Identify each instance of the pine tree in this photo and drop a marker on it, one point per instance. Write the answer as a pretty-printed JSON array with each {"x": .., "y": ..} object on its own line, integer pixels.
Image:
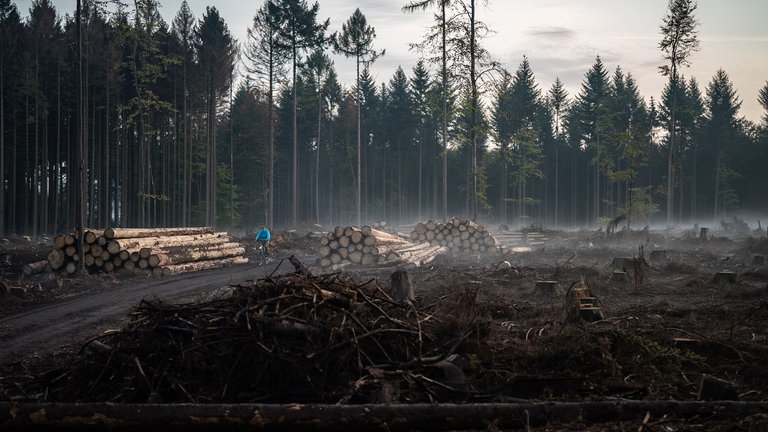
[
  {"x": 183, "y": 33},
  {"x": 356, "y": 40},
  {"x": 557, "y": 101},
  {"x": 722, "y": 129},
  {"x": 217, "y": 53},
  {"x": 420, "y": 89},
  {"x": 679, "y": 41},
  {"x": 267, "y": 55},
  {"x": 400, "y": 133},
  {"x": 589, "y": 127},
  {"x": 444, "y": 87}
]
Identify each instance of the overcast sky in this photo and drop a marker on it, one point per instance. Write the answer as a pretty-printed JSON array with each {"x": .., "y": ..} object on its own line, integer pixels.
[{"x": 561, "y": 38}]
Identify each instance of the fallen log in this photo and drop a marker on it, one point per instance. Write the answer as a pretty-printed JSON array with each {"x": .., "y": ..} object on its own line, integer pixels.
[
  {"x": 181, "y": 256},
  {"x": 56, "y": 258},
  {"x": 203, "y": 265},
  {"x": 36, "y": 267},
  {"x": 123, "y": 233},
  {"x": 369, "y": 417},
  {"x": 116, "y": 245}
]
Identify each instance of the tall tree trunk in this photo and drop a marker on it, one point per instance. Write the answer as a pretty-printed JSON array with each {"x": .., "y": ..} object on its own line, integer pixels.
[
  {"x": 2, "y": 133},
  {"x": 271, "y": 168},
  {"x": 358, "y": 183},
  {"x": 474, "y": 107},
  {"x": 83, "y": 143},
  {"x": 420, "y": 179},
  {"x": 445, "y": 115},
  {"x": 107, "y": 197},
  {"x": 718, "y": 191},
  {"x": 671, "y": 156},
  {"x": 317, "y": 158},
  {"x": 36, "y": 164},
  {"x": 503, "y": 187},
  {"x": 211, "y": 159}
]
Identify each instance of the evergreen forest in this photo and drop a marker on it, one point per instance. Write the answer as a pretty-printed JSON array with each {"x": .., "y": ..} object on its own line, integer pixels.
[{"x": 115, "y": 117}]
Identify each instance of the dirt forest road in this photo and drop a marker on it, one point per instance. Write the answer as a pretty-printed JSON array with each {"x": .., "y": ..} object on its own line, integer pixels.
[{"x": 99, "y": 306}]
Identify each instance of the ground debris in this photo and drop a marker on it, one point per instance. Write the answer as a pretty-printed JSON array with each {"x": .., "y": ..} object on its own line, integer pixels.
[
  {"x": 291, "y": 338},
  {"x": 477, "y": 333}
]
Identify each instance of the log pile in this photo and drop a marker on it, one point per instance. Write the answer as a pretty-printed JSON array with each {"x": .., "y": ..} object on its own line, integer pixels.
[
  {"x": 382, "y": 225},
  {"x": 369, "y": 246},
  {"x": 459, "y": 236},
  {"x": 157, "y": 251}
]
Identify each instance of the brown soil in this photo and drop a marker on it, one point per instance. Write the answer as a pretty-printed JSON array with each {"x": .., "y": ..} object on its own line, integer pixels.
[{"x": 690, "y": 326}]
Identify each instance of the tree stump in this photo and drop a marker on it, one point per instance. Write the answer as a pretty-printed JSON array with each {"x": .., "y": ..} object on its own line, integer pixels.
[
  {"x": 299, "y": 267},
  {"x": 548, "y": 288},
  {"x": 589, "y": 310},
  {"x": 713, "y": 388},
  {"x": 618, "y": 276},
  {"x": 623, "y": 263},
  {"x": 724, "y": 277},
  {"x": 401, "y": 286},
  {"x": 704, "y": 234}
]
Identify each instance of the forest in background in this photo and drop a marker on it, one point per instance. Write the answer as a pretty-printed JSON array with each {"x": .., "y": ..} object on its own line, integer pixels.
[{"x": 182, "y": 125}]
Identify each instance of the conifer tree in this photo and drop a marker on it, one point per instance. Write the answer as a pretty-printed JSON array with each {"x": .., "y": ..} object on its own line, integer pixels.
[
  {"x": 356, "y": 40},
  {"x": 298, "y": 30},
  {"x": 679, "y": 41}
]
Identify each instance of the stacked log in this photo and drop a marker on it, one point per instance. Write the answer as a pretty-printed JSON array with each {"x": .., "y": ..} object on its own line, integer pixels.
[
  {"x": 370, "y": 246},
  {"x": 459, "y": 236},
  {"x": 382, "y": 225},
  {"x": 158, "y": 251}
]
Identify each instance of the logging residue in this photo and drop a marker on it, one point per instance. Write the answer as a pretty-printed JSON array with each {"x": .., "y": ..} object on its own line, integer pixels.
[
  {"x": 286, "y": 339},
  {"x": 331, "y": 339}
]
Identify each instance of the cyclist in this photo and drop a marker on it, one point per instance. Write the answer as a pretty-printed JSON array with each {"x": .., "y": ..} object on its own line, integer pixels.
[{"x": 263, "y": 237}]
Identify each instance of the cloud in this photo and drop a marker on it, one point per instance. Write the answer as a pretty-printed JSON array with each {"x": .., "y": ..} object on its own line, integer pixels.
[{"x": 558, "y": 33}]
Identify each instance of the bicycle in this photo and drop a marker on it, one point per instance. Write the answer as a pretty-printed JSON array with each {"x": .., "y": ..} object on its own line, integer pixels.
[{"x": 261, "y": 257}]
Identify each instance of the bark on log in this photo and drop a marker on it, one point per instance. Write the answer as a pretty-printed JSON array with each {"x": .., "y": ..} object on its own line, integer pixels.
[
  {"x": 70, "y": 268},
  {"x": 130, "y": 244},
  {"x": 123, "y": 233},
  {"x": 90, "y": 237},
  {"x": 203, "y": 265},
  {"x": 35, "y": 267},
  {"x": 180, "y": 257},
  {"x": 56, "y": 258},
  {"x": 58, "y": 242}
]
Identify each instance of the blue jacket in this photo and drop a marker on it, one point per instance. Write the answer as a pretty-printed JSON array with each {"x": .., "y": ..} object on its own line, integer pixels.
[{"x": 263, "y": 235}]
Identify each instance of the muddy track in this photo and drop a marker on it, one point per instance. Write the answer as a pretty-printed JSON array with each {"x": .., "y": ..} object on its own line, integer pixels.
[{"x": 104, "y": 305}]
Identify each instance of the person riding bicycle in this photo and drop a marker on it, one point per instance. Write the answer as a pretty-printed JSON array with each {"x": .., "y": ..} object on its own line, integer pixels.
[{"x": 263, "y": 237}]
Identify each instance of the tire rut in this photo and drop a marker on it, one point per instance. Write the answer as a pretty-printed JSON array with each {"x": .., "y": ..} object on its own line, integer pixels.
[{"x": 70, "y": 320}]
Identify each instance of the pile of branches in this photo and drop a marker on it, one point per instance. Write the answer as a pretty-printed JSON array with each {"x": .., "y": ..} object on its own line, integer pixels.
[{"x": 293, "y": 338}]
